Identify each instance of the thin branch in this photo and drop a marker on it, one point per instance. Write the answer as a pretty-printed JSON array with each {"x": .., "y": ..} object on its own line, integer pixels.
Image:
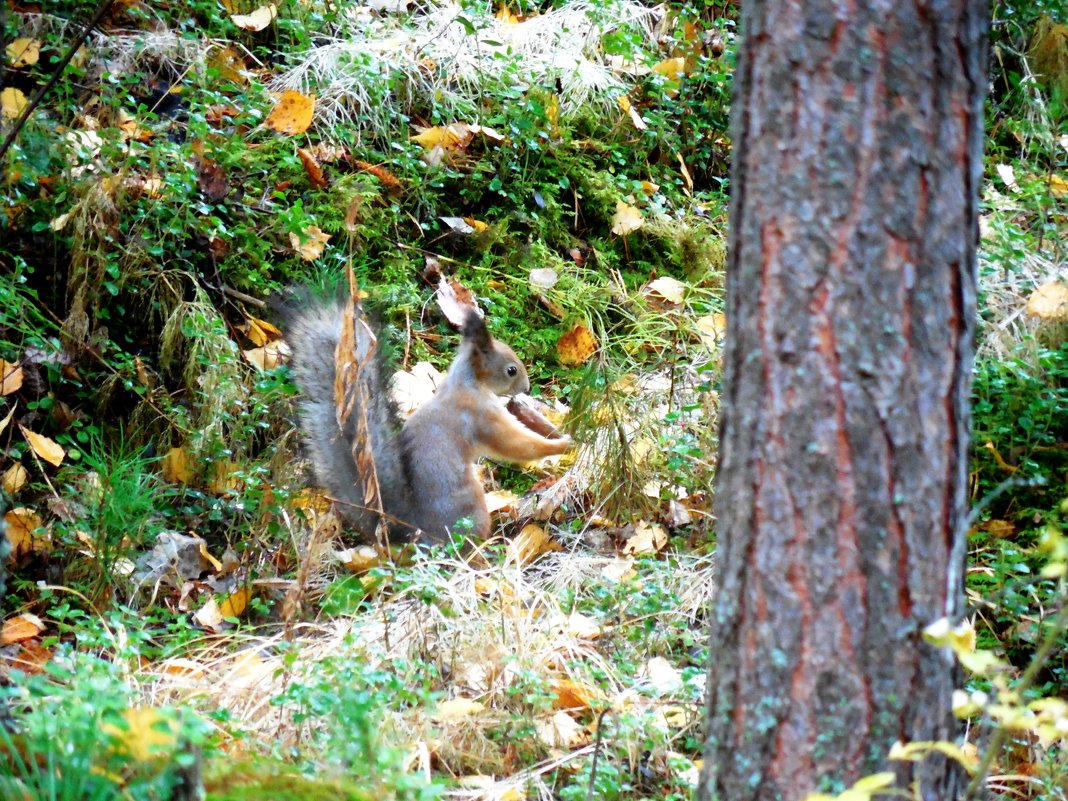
[{"x": 38, "y": 96}]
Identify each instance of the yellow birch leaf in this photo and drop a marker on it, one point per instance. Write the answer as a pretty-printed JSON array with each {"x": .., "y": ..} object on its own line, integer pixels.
[
  {"x": 260, "y": 332},
  {"x": 209, "y": 616},
  {"x": 359, "y": 559},
  {"x": 478, "y": 225},
  {"x": 265, "y": 358},
  {"x": 635, "y": 118},
  {"x": 447, "y": 137},
  {"x": 12, "y": 102},
  {"x": 576, "y": 346},
  {"x": 256, "y": 20},
  {"x": 671, "y": 68},
  {"x": 22, "y": 524},
  {"x": 1058, "y": 185},
  {"x": 177, "y": 467},
  {"x": 532, "y": 542},
  {"x": 626, "y": 219},
  {"x": 311, "y": 245},
  {"x": 573, "y": 695},
  {"x": 235, "y": 603},
  {"x": 21, "y": 627},
  {"x": 647, "y": 538},
  {"x": 145, "y": 733},
  {"x": 456, "y": 709},
  {"x": 1049, "y": 301},
  {"x": 583, "y": 626},
  {"x": 225, "y": 477},
  {"x": 293, "y": 113},
  {"x": 23, "y": 52},
  {"x": 499, "y": 500},
  {"x": 7, "y": 419},
  {"x": 505, "y": 16},
  {"x": 711, "y": 328},
  {"x": 13, "y": 479},
  {"x": 48, "y": 449},
  {"x": 668, "y": 288},
  {"x": 10, "y": 377}
]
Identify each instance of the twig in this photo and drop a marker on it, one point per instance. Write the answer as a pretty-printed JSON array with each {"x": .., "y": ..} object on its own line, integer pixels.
[{"x": 38, "y": 96}]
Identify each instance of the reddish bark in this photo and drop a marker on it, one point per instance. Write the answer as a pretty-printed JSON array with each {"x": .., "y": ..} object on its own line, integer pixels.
[{"x": 841, "y": 490}]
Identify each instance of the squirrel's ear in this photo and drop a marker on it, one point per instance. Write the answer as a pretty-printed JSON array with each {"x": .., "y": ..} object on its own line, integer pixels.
[{"x": 475, "y": 331}]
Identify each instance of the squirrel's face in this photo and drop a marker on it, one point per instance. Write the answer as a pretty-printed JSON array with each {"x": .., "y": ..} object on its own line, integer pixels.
[
  {"x": 504, "y": 373},
  {"x": 495, "y": 365}
]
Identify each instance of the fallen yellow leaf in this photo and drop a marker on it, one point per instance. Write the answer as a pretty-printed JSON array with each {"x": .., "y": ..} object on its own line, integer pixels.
[
  {"x": 48, "y": 449},
  {"x": 456, "y": 709},
  {"x": 260, "y": 332},
  {"x": 671, "y": 68},
  {"x": 23, "y": 52},
  {"x": 311, "y": 245},
  {"x": 10, "y": 377},
  {"x": 359, "y": 559},
  {"x": 12, "y": 103},
  {"x": 447, "y": 137},
  {"x": 176, "y": 466},
  {"x": 145, "y": 733},
  {"x": 668, "y": 288},
  {"x": 1058, "y": 185},
  {"x": 22, "y": 525},
  {"x": 235, "y": 604},
  {"x": 576, "y": 346},
  {"x": 265, "y": 358},
  {"x": 530, "y": 543},
  {"x": 258, "y": 19},
  {"x": 647, "y": 538},
  {"x": 13, "y": 479},
  {"x": 1049, "y": 301},
  {"x": 293, "y": 113},
  {"x": 626, "y": 219},
  {"x": 573, "y": 695},
  {"x": 21, "y": 627},
  {"x": 7, "y": 418}
]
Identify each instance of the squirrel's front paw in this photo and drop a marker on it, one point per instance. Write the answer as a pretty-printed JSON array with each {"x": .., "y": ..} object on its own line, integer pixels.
[{"x": 563, "y": 443}]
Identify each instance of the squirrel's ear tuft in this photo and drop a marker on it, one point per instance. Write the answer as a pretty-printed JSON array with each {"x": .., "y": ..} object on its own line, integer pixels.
[{"x": 475, "y": 330}]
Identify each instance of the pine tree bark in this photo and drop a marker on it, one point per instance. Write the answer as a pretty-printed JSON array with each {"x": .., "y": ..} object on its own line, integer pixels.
[{"x": 841, "y": 488}]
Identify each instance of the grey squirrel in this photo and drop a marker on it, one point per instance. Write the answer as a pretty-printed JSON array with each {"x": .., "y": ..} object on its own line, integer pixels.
[{"x": 425, "y": 467}]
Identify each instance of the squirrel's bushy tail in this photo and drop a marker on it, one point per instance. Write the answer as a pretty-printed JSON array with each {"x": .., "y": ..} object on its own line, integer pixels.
[{"x": 313, "y": 327}]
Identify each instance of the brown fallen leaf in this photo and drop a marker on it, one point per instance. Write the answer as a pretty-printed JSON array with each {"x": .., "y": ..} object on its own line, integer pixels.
[
  {"x": 576, "y": 346},
  {"x": 21, "y": 627},
  {"x": 455, "y": 300},
  {"x": 313, "y": 169},
  {"x": 212, "y": 180},
  {"x": 22, "y": 525}
]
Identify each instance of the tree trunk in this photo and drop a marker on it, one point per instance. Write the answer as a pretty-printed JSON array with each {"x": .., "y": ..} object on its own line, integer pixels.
[{"x": 841, "y": 488}]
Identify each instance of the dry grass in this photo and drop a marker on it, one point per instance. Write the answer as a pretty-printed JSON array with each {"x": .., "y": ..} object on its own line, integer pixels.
[
  {"x": 378, "y": 69},
  {"x": 498, "y": 635}
]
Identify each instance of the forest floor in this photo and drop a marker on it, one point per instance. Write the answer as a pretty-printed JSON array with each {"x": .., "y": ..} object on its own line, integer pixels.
[{"x": 181, "y": 608}]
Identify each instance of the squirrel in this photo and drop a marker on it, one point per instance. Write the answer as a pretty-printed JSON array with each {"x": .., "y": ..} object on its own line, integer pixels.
[{"x": 425, "y": 467}]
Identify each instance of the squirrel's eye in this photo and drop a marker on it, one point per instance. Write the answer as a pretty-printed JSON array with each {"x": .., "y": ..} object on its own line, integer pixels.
[{"x": 512, "y": 370}]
